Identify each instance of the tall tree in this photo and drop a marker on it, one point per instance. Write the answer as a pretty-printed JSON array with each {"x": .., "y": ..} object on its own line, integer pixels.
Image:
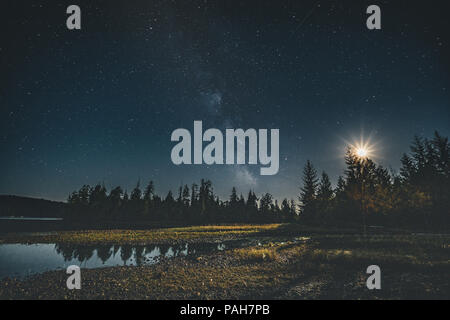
[
  {"x": 325, "y": 191},
  {"x": 136, "y": 193},
  {"x": 285, "y": 210},
  {"x": 233, "y": 198},
  {"x": 185, "y": 196},
  {"x": 148, "y": 199},
  {"x": 324, "y": 197},
  {"x": 265, "y": 205},
  {"x": 149, "y": 191},
  {"x": 308, "y": 191}
]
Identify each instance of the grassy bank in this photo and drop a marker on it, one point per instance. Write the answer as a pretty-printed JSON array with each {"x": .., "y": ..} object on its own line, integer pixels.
[
  {"x": 167, "y": 235},
  {"x": 318, "y": 266}
]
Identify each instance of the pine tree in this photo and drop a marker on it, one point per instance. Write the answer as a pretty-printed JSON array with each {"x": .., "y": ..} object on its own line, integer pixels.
[
  {"x": 293, "y": 213},
  {"x": 83, "y": 195},
  {"x": 325, "y": 191},
  {"x": 285, "y": 210},
  {"x": 185, "y": 196},
  {"x": 265, "y": 204},
  {"x": 194, "y": 194},
  {"x": 308, "y": 191},
  {"x": 233, "y": 198},
  {"x": 149, "y": 191},
  {"x": 136, "y": 194},
  {"x": 169, "y": 198},
  {"x": 340, "y": 186},
  {"x": 251, "y": 206},
  {"x": 136, "y": 206},
  {"x": 148, "y": 205},
  {"x": 115, "y": 201},
  {"x": 324, "y": 197}
]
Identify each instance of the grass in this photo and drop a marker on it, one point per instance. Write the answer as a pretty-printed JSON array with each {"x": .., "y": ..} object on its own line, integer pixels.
[
  {"x": 255, "y": 254},
  {"x": 141, "y": 236},
  {"x": 321, "y": 266}
]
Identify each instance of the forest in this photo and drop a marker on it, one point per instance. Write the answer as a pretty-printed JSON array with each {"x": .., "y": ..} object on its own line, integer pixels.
[{"x": 365, "y": 195}]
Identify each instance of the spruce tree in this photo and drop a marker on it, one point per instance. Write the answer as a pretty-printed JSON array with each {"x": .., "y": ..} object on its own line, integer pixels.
[{"x": 308, "y": 191}]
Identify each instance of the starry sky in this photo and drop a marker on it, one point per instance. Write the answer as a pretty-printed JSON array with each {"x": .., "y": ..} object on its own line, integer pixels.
[{"x": 99, "y": 104}]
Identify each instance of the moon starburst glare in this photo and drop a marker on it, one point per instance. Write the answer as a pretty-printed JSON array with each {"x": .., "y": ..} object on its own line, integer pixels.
[{"x": 364, "y": 147}]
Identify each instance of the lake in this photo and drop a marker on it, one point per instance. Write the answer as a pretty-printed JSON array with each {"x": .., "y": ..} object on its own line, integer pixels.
[{"x": 21, "y": 260}]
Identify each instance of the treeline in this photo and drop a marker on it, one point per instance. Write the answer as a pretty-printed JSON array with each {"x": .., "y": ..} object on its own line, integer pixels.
[
  {"x": 191, "y": 205},
  {"x": 367, "y": 194}
]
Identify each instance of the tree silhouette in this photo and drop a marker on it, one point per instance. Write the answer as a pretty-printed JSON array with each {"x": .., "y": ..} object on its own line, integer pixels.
[
  {"x": 324, "y": 199},
  {"x": 308, "y": 192}
]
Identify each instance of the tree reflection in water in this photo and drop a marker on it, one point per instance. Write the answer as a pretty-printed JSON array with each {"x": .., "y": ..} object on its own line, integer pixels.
[{"x": 132, "y": 254}]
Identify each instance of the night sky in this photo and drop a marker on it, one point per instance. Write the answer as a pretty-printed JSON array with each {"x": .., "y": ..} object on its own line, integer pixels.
[{"x": 99, "y": 104}]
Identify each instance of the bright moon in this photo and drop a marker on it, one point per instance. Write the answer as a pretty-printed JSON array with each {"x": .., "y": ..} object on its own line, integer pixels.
[
  {"x": 362, "y": 149},
  {"x": 361, "y": 152}
]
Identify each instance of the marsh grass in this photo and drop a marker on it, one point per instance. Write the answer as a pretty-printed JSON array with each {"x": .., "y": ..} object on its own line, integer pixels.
[
  {"x": 194, "y": 233},
  {"x": 255, "y": 254}
]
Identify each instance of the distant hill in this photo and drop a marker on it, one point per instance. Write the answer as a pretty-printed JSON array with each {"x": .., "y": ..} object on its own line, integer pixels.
[{"x": 30, "y": 207}]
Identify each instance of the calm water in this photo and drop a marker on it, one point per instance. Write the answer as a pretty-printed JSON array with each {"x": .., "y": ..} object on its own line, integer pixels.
[{"x": 19, "y": 260}]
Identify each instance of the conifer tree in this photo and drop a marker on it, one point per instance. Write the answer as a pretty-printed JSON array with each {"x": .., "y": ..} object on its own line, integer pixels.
[{"x": 308, "y": 191}]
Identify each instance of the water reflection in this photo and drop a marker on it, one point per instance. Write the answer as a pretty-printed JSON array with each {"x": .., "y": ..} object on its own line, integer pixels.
[
  {"x": 132, "y": 254},
  {"x": 21, "y": 259}
]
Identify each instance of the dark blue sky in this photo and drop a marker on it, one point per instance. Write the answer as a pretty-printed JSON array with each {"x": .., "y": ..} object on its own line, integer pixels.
[{"x": 99, "y": 104}]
